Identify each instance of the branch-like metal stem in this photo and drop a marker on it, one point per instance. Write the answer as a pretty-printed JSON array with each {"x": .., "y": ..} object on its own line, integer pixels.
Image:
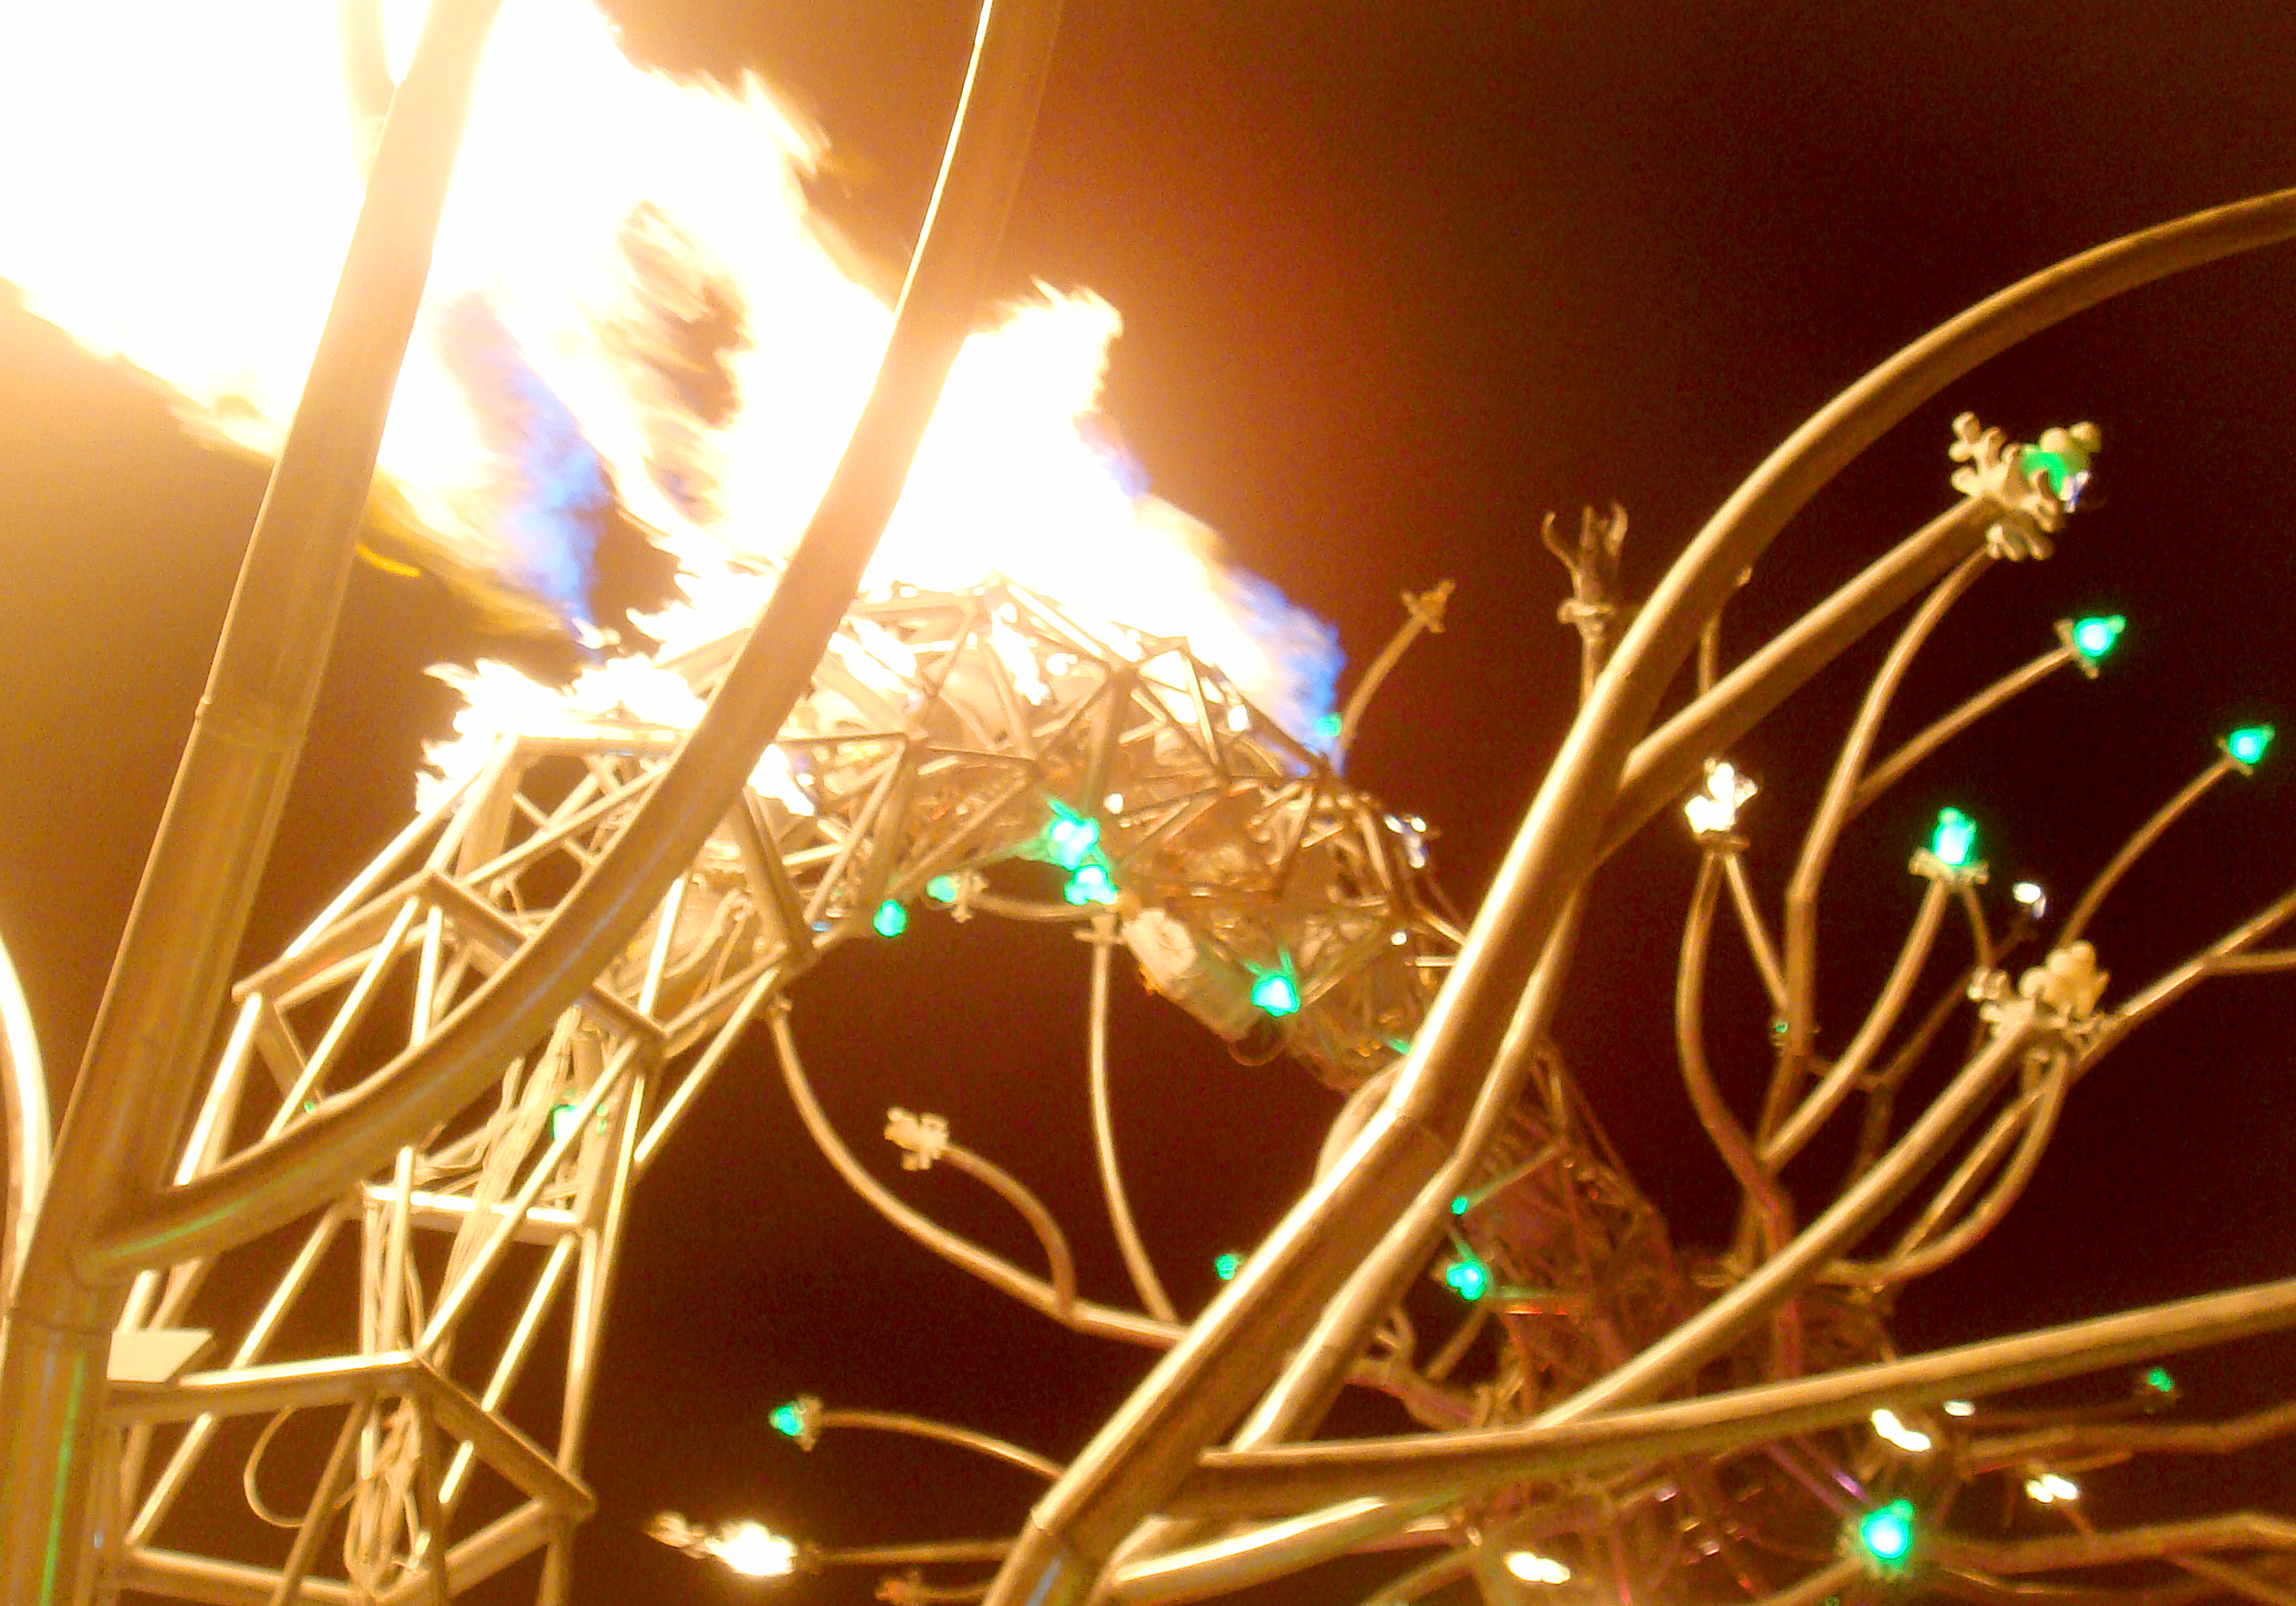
[
  {"x": 1424, "y": 611},
  {"x": 1887, "y": 773},
  {"x": 1826, "y": 828},
  {"x": 1836, "y": 1084},
  {"x": 1757, "y": 932},
  {"x": 2234, "y": 1530},
  {"x": 940, "y": 1432},
  {"x": 1235, "y": 1483},
  {"x": 1103, "y": 1138},
  {"x": 1729, "y": 1137},
  {"x": 2134, "y": 849},
  {"x": 1059, "y": 1261},
  {"x": 2081, "y": 1439},
  {"x": 1082, "y": 1315}
]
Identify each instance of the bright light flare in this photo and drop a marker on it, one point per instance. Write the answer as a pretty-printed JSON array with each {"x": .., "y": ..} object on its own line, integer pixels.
[
  {"x": 1714, "y": 812},
  {"x": 754, "y": 1550},
  {"x": 1532, "y": 1568},
  {"x": 2050, "y": 1489},
  {"x": 1891, "y": 1429}
]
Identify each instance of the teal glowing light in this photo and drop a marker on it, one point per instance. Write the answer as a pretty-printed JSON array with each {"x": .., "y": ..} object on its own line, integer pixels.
[
  {"x": 1954, "y": 842},
  {"x": 2248, "y": 744},
  {"x": 1328, "y": 729},
  {"x": 2159, "y": 1380},
  {"x": 561, "y": 1121},
  {"x": 891, "y": 918},
  {"x": 1461, "y": 1205},
  {"x": 788, "y": 1420},
  {"x": 1070, "y": 839},
  {"x": 1468, "y": 1278},
  {"x": 1277, "y": 993},
  {"x": 1886, "y": 1533},
  {"x": 1226, "y": 1266},
  {"x": 941, "y": 889},
  {"x": 2092, "y": 637},
  {"x": 1091, "y": 884}
]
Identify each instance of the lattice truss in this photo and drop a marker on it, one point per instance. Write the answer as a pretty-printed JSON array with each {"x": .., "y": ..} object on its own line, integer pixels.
[
  {"x": 945, "y": 734},
  {"x": 426, "y": 1345}
]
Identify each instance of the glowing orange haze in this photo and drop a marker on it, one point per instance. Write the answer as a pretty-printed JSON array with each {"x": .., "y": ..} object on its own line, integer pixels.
[{"x": 181, "y": 180}]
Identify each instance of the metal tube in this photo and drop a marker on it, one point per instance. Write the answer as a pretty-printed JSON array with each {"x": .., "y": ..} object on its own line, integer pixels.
[
  {"x": 1729, "y": 1137},
  {"x": 1103, "y": 1138},
  {"x": 947, "y": 1433},
  {"x": 199, "y": 883},
  {"x": 1837, "y": 1084},
  {"x": 2134, "y": 849},
  {"x": 1825, "y": 829},
  {"x": 1887, "y": 773},
  {"x": 1235, "y": 1483}
]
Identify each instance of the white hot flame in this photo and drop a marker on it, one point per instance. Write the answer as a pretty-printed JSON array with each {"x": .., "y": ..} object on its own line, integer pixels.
[{"x": 611, "y": 235}]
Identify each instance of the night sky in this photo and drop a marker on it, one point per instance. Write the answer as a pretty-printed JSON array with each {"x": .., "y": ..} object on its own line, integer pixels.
[{"x": 1396, "y": 280}]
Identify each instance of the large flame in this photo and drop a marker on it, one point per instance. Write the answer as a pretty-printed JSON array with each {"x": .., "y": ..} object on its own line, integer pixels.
[{"x": 629, "y": 308}]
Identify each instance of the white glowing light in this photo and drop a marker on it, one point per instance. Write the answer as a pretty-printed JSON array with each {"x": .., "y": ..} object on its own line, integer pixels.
[
  {"x": 1714, "y": 812},
  {"x": 1889, "y": 1426},
  {"x": 1532, "y": 1568},
  {"x": 754, "y": 1550},
  {"x": 2030, "y": 895},
  {"x": 1113, "y": 803},
  {"x": 1239, "y": 717},
  {"x": 2048, "y": 1488},
  {"x": 1960, "y": 1407}
]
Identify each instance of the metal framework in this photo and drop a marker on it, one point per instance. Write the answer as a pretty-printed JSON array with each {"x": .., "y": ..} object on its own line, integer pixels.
[{"x": 411, "y": 1162}]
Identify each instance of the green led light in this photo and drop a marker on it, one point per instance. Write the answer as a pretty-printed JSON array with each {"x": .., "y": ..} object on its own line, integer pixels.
[
  {"x": 1070, "y": 839},
  {"x": 1277, "y": 993},
  {"x": 2249, "y": 744},
  {"x": 1226, "y": 1266},
  {"x": 561, "y": 1121},
  {"x": 2092, "y": 637},
  {"x": 941, "y": 889},
  {"x": 1091, "y": 884},
  {"x": 1328, "y": 729},
  {"x": 1955, "y": 840},
  {"x": 788, "y": 1420},
  {"x": 891, "y": 918},
  {"x": 1461, "y": 1205},
  {"x": 1886, "y": 1533},
  {"x": 2159, "y": 1380},
  {"x": 1467, "y": 1278}
]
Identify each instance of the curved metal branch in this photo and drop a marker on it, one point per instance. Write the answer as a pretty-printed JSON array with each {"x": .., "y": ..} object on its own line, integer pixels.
[
  {"x": 1730, "y": 1139},
  {"x": 1887, "y": 773},
  {"x": 2134, "y": 849},
  {"x": 1826, "y": 1097},
  {"x": 940, "y": 1432},
  {"x": 1103, "y": 1138},
  {"x": 1014, "y": 1192},
  {"x": 1081, "y": 1315},
  {"x": 1826, "y": 828},
  {"x": 1424, "y": 611}
]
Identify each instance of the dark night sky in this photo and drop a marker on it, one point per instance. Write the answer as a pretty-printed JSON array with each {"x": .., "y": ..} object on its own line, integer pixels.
[{"x": 1396, "y": 280}]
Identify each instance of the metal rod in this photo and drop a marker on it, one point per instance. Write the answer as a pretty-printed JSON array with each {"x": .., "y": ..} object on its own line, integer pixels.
[
  {"x": 1235, "y": 1483},
  {"x": 2132, "y": 850},
  {"x": 199, "y": 883},
  {"x": 1944, "y": 729},
  {"x": 1137, "y": 1261},
  {"x": 947, "y": 1433}
]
